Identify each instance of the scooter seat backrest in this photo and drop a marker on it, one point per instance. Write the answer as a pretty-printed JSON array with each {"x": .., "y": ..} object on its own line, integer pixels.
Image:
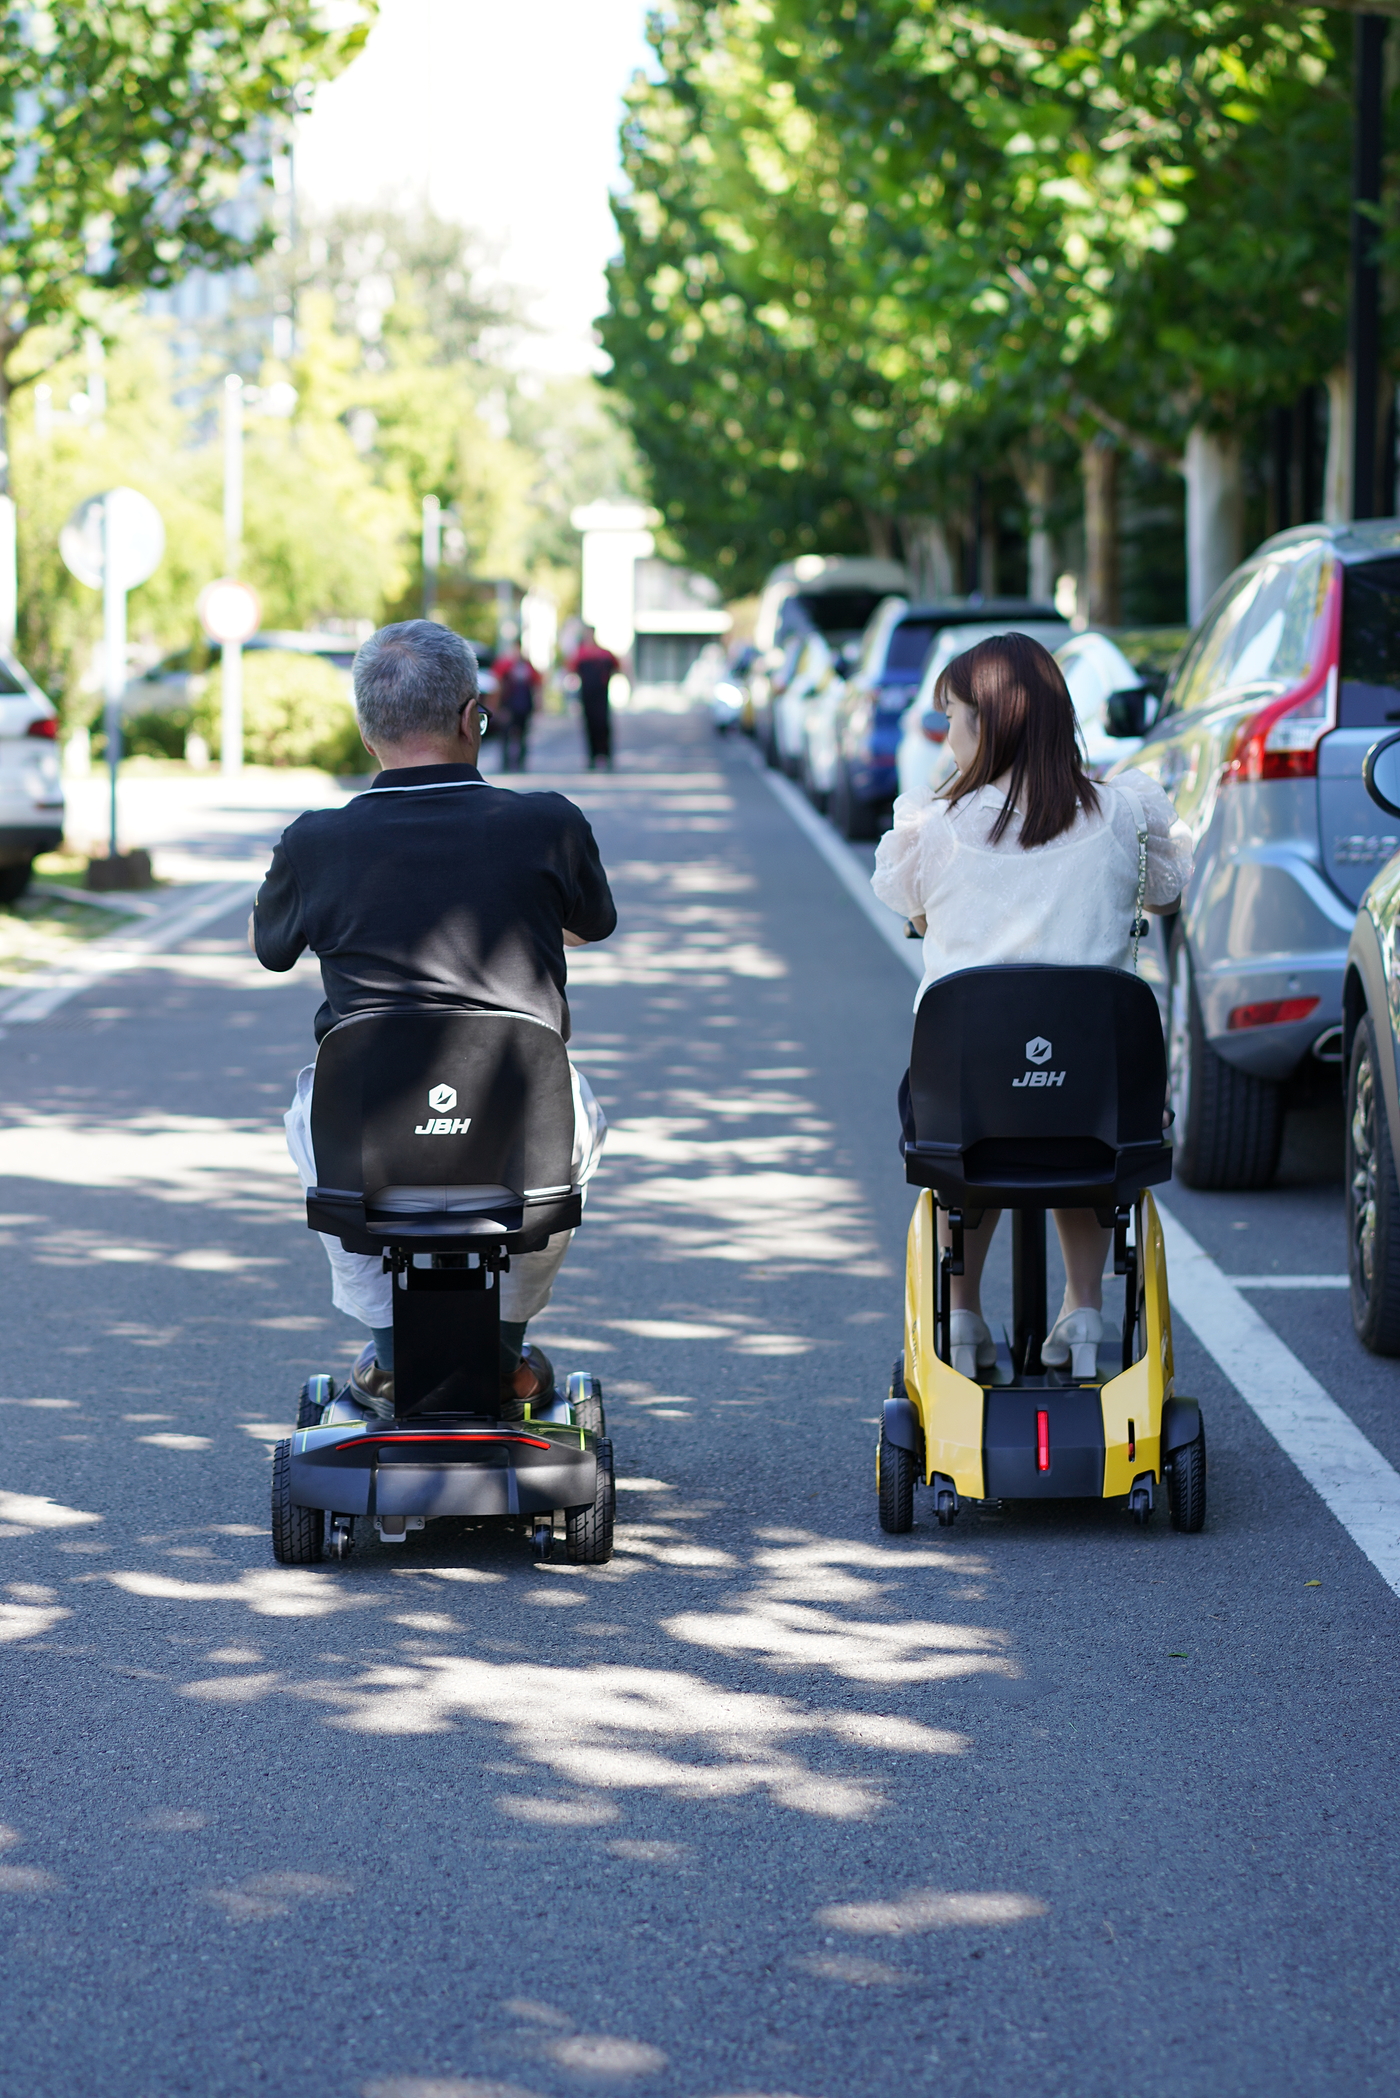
[
  {"x": 439, "y": 1111},
  {"x": 1031, "y": 1078}
]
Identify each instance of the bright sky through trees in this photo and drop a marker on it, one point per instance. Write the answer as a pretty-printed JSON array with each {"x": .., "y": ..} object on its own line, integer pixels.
[{"x": 507, "y": 117}]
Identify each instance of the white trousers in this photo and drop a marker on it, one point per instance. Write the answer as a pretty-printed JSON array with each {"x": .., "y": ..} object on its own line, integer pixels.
[{"x": 359, "y": 1285}]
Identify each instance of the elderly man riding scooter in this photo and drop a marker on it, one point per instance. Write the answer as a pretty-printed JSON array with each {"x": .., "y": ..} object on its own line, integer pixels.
[{"x": 435, "y": 889}]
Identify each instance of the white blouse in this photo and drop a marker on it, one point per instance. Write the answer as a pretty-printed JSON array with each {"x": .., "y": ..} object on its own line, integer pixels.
[{"x": 1068, "y": 903}]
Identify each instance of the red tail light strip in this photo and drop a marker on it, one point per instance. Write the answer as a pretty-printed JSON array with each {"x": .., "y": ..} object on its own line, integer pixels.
[
  {"x": 1042, "y": 1442},
  {"x": 45, "y": 726}
]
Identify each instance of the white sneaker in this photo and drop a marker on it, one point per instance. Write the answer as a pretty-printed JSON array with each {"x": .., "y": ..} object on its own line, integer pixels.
[
  {"x": 970, "y": 1344},
  {"x": 1074, "y": 1340}
]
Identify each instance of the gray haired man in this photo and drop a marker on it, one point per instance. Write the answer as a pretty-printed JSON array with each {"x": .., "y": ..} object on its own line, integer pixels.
[{"x": 435, "y": 888}]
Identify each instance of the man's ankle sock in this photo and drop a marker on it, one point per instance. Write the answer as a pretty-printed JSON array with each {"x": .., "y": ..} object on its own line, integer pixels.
[{"x": 383, "y": 1338}]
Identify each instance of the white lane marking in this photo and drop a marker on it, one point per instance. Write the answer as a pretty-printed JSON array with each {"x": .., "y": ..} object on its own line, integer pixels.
[
  {"x": 43, "y": 993},
  {"x": 1290, "y": 1281},
  {"x": 1335, "y": 1458},
  {"x": 852, "y": 876},
  {"x": 1353, "y": 1478}
]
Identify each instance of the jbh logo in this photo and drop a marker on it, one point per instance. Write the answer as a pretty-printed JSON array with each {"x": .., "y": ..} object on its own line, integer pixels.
[
  {"x": 1039, "y": 1051},
  {"x": 440, "y": 1098}
]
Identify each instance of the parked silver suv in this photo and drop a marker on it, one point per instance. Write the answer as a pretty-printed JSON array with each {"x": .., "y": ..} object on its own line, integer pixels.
[{"x": 1288, "y": 681}]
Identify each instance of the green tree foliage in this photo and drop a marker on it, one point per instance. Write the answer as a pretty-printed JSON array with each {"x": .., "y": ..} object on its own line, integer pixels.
[
  {"x": 128, "y": 131},
  {"x": 870, "y": 249}
]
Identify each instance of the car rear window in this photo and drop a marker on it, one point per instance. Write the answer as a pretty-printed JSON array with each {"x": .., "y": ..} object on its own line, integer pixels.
[
  {"x": 841, "y": 611},
  {"x": 909, "y": 646},
  {"x": 1370, "y": 681},
  {"x": 10, "y": 686}
]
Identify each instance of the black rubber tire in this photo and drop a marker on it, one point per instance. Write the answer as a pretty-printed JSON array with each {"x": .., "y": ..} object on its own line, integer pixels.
[
  {"x": 14, "y": 881},
  {"x": 316, "y": 1393},
  {"x": 588, "y": 1532},
  {"x": 895, "y": 1471},
  {"x": 1373, "y": 1201},
  {"x": 585, "y": 1396},
  {"x": 298, "y": 1534},
  {"x": 859, "y": 821},
  {"x": 1186, "y": 1485},
  {"x": 1229, "y": 1124},
  {"x": 768, "y": 739}
]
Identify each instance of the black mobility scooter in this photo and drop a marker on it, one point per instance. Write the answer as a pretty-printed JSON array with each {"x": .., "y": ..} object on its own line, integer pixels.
[
  {"x": 1033, "y": 1089},
  {"x": 443, "y": 1141}
]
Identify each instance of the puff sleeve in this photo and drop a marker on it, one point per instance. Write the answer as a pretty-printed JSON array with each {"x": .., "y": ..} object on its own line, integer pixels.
[
  {"x": 898, "y": 877},
  {"x": 1168, "y": 841}
]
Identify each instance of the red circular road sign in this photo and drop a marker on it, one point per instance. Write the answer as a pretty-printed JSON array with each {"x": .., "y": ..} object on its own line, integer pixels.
[{"x": 229, "y": 610}]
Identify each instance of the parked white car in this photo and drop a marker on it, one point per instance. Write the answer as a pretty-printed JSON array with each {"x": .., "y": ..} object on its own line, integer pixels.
[
  {"x": 31, "y": 789},
  {"x": 923, "y": 760},
  {"x": 815, "y": 669},
  {"x": 1109, "y": 698}
]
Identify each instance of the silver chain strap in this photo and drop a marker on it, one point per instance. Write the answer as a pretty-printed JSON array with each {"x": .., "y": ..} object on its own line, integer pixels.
[{"x": 1141, "y": 893}]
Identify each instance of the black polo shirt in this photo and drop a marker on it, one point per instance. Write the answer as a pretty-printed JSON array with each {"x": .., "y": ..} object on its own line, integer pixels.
[{"x": 435, "y": 888}]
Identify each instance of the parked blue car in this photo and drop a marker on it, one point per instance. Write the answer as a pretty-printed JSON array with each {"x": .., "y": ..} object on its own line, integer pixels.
[{"x": 892, "y": 657}]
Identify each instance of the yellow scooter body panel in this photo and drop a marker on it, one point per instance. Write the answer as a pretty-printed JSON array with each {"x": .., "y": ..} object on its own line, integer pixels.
[
  {"x": 951, "y": 1407},
  {"x": 1139, "y": 1394}
]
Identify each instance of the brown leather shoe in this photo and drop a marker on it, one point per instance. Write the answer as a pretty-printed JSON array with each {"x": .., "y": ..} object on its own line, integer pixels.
[{"x": 371, "y": 1386}]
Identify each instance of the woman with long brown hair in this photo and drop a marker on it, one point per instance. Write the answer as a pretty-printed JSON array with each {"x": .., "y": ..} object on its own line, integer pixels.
[{"x": 1023, "y": 858}]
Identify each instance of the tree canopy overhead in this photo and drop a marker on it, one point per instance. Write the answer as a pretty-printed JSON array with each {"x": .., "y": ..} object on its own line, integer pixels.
[
  {"x": 870, "y": 251},
  {"x": 129, "y": 134}
]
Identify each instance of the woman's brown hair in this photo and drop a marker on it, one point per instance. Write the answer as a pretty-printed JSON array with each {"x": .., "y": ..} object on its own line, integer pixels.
[{"x": 1028, "y": 729}]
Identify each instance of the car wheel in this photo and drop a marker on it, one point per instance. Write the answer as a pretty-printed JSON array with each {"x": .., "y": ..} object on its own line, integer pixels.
[
  {"x": 768, "y": 740},
  {"x": 14, "y": 881},
  {"x": 1373, "y": 1202},
  {"x": 1229, "y": 1124},
  {"x": 809, "y": 786},
  {"x": 857, "y": 820}
]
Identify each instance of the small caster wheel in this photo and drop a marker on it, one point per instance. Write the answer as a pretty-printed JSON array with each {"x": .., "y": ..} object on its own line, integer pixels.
[
  {"x": 542, "y": 1539},
  {"x": 946, "y": 1508},
  {"x": 1140, "y": 1504},
  {"x": 341, "y": 1540}
]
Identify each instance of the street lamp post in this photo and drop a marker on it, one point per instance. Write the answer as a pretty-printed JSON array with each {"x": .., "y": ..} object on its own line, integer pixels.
[
  {"x": 113, "y": 659},
  {"x": 1365, "y": 330},
  {"x": 231, "y": 713},
  {"x": 432, "y": 552}
]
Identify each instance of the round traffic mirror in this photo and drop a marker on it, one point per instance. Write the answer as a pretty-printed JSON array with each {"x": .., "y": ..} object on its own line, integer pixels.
[{"x": 1381, "y": 772}]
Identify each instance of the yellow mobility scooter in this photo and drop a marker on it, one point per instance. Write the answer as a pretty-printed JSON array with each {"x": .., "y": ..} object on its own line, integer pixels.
[{"x": 1032, "y": 1089}]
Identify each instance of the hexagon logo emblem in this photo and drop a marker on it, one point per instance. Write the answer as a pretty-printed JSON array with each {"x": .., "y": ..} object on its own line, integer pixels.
[
  {"x": 1038, "y": 1050},
  {"x": 443, "y": 1098}
]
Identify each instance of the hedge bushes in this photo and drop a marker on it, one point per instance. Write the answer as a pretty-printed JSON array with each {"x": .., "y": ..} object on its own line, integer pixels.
[{"x": 297, "y": 710}]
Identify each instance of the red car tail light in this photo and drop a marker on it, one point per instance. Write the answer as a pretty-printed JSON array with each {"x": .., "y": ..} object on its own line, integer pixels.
[
  {"x": 1271, "y": 1012},
  {"x": 45, "y": 726},
  {"x": 1280, "y": 741}
]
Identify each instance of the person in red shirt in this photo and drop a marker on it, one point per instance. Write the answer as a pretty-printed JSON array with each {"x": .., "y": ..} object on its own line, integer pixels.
[
  {"x": 517, "y": 688},
  {"x": 595, "y": 668}
]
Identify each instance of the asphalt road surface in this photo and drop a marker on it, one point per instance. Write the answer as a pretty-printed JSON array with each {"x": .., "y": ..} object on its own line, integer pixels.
[{"x": 772, "y": 1804}]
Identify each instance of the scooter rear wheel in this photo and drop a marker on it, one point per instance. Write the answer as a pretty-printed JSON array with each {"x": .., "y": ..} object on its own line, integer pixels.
[
  {"x": 895, "y": 1472},
  {"x": 1186, "y": 1485},
  {"x": 298, "y": 1534},
  {"x": 588, "y": 1532},
  {"x": 585, "y": 1395}
]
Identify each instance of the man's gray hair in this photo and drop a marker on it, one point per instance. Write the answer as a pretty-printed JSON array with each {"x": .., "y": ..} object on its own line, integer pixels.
[{"x": 413, "y": 679}]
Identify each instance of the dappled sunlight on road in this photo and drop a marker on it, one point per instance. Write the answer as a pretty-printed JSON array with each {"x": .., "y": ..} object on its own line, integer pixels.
[{"x": 238, "y": 1167}]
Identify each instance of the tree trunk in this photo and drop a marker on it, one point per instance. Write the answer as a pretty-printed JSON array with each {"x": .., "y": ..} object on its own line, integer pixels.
[
  {"x": 1214, "y": 515},
  {"x": 1038, "y": 486},
  {"x": 879, "y": 530},
  {"x": 1100, "y": 466},
  {"x": 928, "y": 558},
  {"x": 1336, "y": 477},
  {"x": 9, "y": 522}
]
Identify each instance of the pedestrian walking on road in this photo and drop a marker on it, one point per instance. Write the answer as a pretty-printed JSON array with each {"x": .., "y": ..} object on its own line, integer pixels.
[
  {"x": 595, "y": 668},
  {"x": 517, "y": 686},
  {"x": 1023, "y": 858}
]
